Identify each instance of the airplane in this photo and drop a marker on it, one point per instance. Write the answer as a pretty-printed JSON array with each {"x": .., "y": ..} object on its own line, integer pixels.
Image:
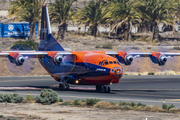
[{"x": 99, "y": 68}]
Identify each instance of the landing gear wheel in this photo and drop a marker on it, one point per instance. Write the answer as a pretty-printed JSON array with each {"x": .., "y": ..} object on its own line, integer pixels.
[
  {"x": 67, "y": 86},
  {"x": 109, "y": 90},
  {"x": 98, "y": 88},
  {"x": 61, "y": 87},
  {"x": 106, "y": 89}
]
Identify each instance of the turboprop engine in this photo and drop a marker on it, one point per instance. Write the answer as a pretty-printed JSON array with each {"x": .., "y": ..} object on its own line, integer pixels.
[
  {"x": 124, "y": 58},
  {"x": 18, "y": 60},
  {"x": 158, "y": 58}
]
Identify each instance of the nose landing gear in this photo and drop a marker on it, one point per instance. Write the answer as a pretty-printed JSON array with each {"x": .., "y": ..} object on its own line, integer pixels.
[{"x": 103, "y": 88}]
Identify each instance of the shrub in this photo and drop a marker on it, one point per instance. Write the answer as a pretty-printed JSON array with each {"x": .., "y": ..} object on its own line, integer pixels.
[
  {"x": 103, "y": 104},
  {"x": 176, "y": 48},
  {"x": 98, "y": 46},
  {"x": 151, "y": 73},
  {"x": 60, "y": 100},
  {"x": 120, "y": 103},
  {"x": 132, "y": 104},
  {"x": 125, "y": 107},
  {"x": 83, "y": 100},
  {"x": 91, "y": 101},
  {"x": 76, "y": 102},
  {"x": 112, "y": 103},
  {"x": 107, "y": 46},
  {"x": 170, "y": 106},
  {"x": 140, "y": 104},
  {"x": 157, "y": 109},
  {"x": 123, "y": 103},
  {"x": 64, "y": 103},
  {"x": 29, "y": 98},
  {"x": 1, "y": 116},
  {"x": 164, "y": 106},
  {"x": 47, "y": 97},
  {"x": 10, "y": 98},
  {"x": 25, "y": 45}
]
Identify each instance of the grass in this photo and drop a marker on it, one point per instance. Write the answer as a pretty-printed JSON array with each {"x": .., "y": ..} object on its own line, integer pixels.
[
  {"x": 150, "y": 73},
  {"x": 29, "y": 99}
]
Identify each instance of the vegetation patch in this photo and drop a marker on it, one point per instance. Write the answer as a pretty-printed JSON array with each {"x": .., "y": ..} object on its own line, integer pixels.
[
  {"x": 91, "y": 101},
  {"x": 150, "y": 73},
  {"x": 29, "y": 99},
  {"x": 10, "y": 98},
  {"x": 25, "y": 45},
  {"x": 47, "y": 97}
]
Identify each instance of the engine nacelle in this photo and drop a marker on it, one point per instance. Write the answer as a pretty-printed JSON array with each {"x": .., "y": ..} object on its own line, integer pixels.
[
  {"x": 16, "y": 59},
  {"x": 124, "y": 58},
  {"x": 158, "y": 58},
  {"x": 128, "y": 59},
  {"x": 58, "y": 59},
  {"x": 162, "y": 59}
]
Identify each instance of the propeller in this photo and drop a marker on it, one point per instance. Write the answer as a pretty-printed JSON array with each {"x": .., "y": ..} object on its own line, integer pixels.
[
  {"x": 23, "y": 65},
  {"x": 59, "y": 65},
  {"x": 137, "y": 64}
]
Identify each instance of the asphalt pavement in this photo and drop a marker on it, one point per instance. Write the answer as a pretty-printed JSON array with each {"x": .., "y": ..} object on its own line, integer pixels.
[{"x": 150, "y": 90}]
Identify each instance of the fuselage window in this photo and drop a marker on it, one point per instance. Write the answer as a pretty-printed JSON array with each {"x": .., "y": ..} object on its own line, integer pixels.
[
  {"x": 115, "y": 62},
  {"x": 110, "y": 62}
]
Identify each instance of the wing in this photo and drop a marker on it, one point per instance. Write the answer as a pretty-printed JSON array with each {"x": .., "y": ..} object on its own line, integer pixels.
[{"x": 156, "y": 57}]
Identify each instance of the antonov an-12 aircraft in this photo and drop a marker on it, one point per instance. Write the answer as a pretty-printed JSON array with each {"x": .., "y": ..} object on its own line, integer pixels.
[{"x": 99, "y": 68}]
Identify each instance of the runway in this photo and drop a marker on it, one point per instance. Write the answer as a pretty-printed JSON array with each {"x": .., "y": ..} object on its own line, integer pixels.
[{"x": 150, "y": 90}]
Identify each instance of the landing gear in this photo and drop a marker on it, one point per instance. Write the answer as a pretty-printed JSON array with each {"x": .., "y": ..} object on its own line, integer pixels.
[
  {"x": 103, "y": 88},
  {"x": 63, "y": 85}
]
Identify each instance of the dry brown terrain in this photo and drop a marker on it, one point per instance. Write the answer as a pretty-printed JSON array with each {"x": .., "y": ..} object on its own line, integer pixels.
[{"x": 32, "y": 111}]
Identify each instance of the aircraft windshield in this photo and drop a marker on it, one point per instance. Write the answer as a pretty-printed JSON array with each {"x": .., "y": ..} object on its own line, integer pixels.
[{"x": 105, "y": 62}]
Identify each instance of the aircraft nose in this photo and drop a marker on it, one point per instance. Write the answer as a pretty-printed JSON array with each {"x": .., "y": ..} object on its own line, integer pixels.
[{"x": 116, "y": 71}]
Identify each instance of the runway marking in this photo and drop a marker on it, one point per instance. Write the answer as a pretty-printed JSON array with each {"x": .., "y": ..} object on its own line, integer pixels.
[
  {"x": 147, "y": 89},
  {"x": 145, "y": 80},
  {"x": 25, "y": 80},
  {"x": 18, "y": 88}
]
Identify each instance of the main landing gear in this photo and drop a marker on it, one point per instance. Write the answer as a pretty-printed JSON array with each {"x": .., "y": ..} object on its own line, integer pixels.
[
  {"x": 103, "y": 88},
  {"x": 63, "y": 85}
]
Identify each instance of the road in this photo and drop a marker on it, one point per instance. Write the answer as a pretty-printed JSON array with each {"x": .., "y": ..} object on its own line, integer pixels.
[{"x": 150, "y": 90}]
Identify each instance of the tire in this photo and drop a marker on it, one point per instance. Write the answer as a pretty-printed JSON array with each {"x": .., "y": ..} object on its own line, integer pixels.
[
  {"x": 67, "y": 86},
  {"x": 98, "y": 88},
  {"x": 109, "y": 90},
  {"x": 61, "y": 87}
]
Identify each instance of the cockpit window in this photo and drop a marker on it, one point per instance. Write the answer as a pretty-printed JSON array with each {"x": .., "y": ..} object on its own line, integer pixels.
[
  {"x": 119, "y": 63},
  {"x": 115, "y": 62},
  {"x": 106, "y": 63},
  {"x": 110, "y": 62},
  {"x": 100, "y": 63}
]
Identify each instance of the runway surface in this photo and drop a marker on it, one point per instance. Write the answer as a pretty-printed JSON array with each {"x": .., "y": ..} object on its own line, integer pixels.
[{"x": 150, "y": 90}]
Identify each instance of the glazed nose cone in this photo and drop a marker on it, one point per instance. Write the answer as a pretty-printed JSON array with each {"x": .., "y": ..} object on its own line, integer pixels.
[{"x": 116, "y": 71}]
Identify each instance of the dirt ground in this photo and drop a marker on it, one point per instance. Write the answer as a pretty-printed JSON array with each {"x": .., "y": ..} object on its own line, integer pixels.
[{"x": 34, "y": 111}]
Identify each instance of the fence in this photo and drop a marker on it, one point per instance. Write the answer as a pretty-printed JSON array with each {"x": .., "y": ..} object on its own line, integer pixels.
[{"x": 20, "y": 29}]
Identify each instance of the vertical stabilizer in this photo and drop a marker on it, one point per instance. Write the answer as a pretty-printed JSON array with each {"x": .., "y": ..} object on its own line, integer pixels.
[{"x": 48, "y": 42}]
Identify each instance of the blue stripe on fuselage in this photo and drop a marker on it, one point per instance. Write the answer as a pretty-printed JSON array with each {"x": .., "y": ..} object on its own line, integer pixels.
[{"x": 78, "y": 69}]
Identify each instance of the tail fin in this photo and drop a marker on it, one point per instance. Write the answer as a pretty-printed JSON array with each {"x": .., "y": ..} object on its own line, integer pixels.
[{"x": 48, "y": 42}]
